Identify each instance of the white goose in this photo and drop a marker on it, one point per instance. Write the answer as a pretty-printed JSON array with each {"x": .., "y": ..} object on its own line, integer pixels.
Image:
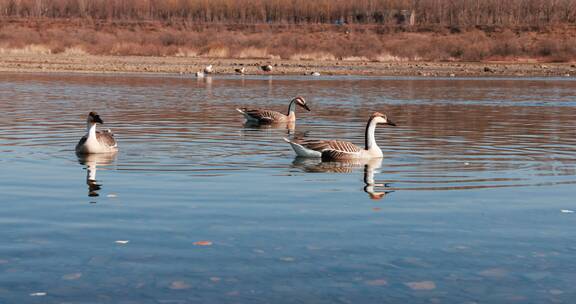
[
  {"x": 96, "y": 141},
  {"x": 343, "y": 150},
  {"x": 271, "y": 117}
]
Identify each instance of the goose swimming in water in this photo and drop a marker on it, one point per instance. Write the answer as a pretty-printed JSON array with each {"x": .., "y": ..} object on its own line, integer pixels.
[
  {"x": 96, "y": 141},
  {"x": 270, "y": 117},
  {"x": 342, "y": 150}
]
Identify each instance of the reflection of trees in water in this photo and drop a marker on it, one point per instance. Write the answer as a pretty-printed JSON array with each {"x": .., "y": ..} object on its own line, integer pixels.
[
  {"x": 316, "y": 165},
  {"x": 91, "y": 162}
]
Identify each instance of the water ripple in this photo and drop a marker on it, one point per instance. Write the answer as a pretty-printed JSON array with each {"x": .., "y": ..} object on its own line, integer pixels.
[{"x": 451, "y": 135}]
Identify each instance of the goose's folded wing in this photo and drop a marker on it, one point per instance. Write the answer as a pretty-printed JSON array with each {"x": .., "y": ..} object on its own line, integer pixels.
[
  {"x": 106, "y": 138},
  {"x": 264, "y": 115},
  {"x": 335, "y": 145},
  {"x": 337, "y": 155}
]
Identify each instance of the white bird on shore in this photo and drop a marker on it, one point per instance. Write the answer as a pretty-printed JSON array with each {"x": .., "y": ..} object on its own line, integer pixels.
[
  {"x": 266, "y": 68},
  {"x": 208, "y": 69},
  {"x": 199, "y": 74},
  {"x": 343, "y": 150},
  {"x": 96, "y": 141},
  {"x": 315, "y": 74}
]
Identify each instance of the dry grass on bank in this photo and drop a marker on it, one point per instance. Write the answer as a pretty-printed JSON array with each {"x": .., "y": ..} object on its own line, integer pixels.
[{"x": 304, "y": 42}]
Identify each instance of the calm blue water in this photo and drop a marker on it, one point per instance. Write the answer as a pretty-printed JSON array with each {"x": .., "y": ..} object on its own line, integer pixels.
[{"x": 466, "y": 207}]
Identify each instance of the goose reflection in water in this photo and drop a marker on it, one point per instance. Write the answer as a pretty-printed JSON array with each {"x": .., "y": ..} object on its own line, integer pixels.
[
  {"x": 316, "y": 165},
  {"x": 92, "y": 161}
]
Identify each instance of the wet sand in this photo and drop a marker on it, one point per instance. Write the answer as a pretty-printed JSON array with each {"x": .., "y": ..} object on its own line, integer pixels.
[{"x": 188, "y": 65}]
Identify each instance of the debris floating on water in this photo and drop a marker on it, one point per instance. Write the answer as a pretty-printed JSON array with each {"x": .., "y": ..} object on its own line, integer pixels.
[
  {"x": 72, "y": 276},
  {"x": 378, "y": 282},
  {"x": 494, "y": 273},
  {"x": 179, "y": 285},
  {"x": 424, "y": 285},
  {"x": 38, "y": 294},
  {"x": 122, "y": 242},
  {"x": 567, "y": 211},
  {"x": 203, "y": 243},
  {"x": 112, "y": 195}
]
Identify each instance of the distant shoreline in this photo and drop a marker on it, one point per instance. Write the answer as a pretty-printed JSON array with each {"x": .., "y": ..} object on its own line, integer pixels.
[{"x": 188, "y": 65}]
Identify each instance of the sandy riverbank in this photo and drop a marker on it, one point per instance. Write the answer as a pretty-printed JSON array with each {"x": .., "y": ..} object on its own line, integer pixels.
[{"x": 188, "y": 65}]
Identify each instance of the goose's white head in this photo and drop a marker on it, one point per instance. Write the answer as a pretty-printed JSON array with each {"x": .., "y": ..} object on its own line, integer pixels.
[
  {"x": 94, "y": 118},
  {"x": 380, "y": 118},
  {"x": 299, "y": 100}
]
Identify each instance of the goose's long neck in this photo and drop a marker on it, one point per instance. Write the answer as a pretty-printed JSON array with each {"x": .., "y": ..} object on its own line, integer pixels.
[
  {"x": 291, "y": 106},
  {"x": 91, "y": 130},
  {"x": 370, "y": 140}
]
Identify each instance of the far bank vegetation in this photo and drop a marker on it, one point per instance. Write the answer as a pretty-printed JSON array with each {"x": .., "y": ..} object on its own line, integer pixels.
[{"x": 377, "y": 30}]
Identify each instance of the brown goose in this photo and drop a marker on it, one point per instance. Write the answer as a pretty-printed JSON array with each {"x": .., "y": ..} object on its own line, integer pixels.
[
  {"x": 270, "y": 117},
  {"x": 96, "y": 141},
  {"x": 342, "y": 150}
]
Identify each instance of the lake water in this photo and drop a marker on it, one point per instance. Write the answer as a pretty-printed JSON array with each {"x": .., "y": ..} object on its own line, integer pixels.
[{"x": 471, "y": 204}]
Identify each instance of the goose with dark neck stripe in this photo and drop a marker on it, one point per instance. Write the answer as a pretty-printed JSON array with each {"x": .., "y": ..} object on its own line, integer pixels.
[
  {"x": 343, "y": 150},
  {"x": 271, "y": 117}
]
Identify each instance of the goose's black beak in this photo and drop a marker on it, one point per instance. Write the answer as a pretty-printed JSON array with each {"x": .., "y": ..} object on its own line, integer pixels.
[
  {"x": 98, "y": 119},
  {"x": 306, "y": 107},
  {"x": 390, "y": 123}
]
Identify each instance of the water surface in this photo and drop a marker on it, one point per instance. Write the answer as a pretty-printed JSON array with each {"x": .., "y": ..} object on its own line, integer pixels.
[{"x": 466, "y": 206}]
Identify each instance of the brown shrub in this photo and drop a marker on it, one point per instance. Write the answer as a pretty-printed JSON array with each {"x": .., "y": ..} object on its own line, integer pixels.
[
  {"x": 304, "y": 42},
  {"x": 506, "y": 44}
]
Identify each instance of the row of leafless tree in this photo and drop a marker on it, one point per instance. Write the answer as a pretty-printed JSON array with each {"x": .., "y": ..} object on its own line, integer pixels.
[{"x": 418, "y": 12}]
